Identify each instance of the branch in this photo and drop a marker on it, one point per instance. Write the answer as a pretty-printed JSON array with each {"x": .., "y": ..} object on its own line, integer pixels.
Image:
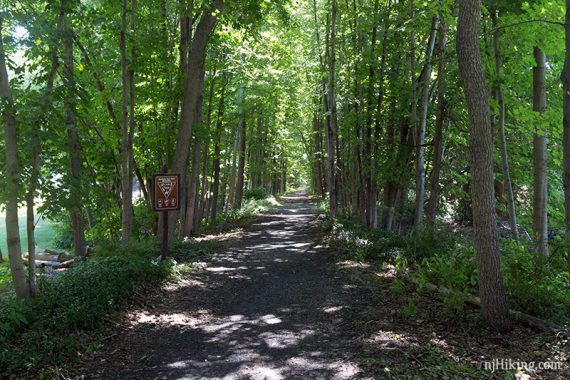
[{"x": 559, "y": 23}]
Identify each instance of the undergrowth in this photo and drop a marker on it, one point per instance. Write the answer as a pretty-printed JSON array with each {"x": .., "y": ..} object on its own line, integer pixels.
[
  {"x": 39, "y": 334},
  {"x": 235, "y": 218},
  {"x": 448, "y": 260}
]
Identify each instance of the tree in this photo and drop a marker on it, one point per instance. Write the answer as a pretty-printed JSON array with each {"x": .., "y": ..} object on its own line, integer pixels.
[
  {"x": 540, "y": 198},
  {"x": 128, "y": 118},
  {"x": 74, "y": 147},
  {"x": 565, "y": 77},
  {"x": 12, "y": 180},
  {"x": 491, "y": 287}
]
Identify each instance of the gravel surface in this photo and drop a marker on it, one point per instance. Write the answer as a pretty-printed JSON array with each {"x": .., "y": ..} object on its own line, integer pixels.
[{"x": 271, "y": 305}]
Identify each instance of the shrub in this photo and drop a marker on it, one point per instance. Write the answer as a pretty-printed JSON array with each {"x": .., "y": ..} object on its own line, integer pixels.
[
  {"x": 257, "y": 193},
  {"x": 42, "y": 331}
]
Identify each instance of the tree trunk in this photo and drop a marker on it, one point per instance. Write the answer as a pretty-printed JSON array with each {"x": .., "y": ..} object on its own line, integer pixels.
[
  {"x": 127, "y": 122},
  {"x": 491, "y": 287},
  {"x": 502, "y": 137},
  {"x": 238, "y": 195},
  {"x": 565, "y": 78},
  {"x": 420, "y": 137},
  {"x": 188, "y": 226},
  {"x": 540, "y": 197},
  {"x": 332, "y": 126},
  {"x": 191, "y": 94},
  {"x": 217, "y": 151},
  {"x": 12, "y": 183},
  {"x": 73, "y": 137},
  {"x": 206, "y": 155},
  {"x": 434, "y": 187}
]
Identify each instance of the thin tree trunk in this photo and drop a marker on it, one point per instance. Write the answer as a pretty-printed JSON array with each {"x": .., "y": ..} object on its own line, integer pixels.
[
  {"x": 540, "y": 198},
  {"x": 73, "y": 138},
  {"x": 502, "y": 137},
  {"x": 12, "y": 183},
  {"x": 332, "y": 127},
  {"x": 435, "y": 188},
  {"x": 217, "y": 151},
  {"x": 128, "y": 122},
  {"x": 492, "y": 292},
  {"x": 206, "y": 155},
  {"x": 421, "y": 132},
  {"x": 240, "y": 180},
  {"x": 565, "y": 79}
]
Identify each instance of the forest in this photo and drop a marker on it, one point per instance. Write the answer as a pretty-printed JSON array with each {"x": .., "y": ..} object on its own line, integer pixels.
[{"x": 432, "y": 139}]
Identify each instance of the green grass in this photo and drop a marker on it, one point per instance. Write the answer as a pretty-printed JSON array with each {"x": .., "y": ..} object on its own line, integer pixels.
[{"x": 44, "y": 233}]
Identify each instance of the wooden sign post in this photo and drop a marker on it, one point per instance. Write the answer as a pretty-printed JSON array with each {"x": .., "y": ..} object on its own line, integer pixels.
[{"x": 166, "y": 190}]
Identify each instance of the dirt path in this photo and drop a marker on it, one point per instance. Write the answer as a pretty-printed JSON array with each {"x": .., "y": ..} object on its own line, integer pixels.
[
  {"x": 271, "y": 306},
  {"x": 275, "y": 304}
]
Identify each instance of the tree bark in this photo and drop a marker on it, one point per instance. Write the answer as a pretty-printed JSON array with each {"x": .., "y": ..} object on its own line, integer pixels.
[
  {"x": 75, "y": 193},
  {"x": 188, "y": 225},
  {"x": 420, "y": 137},
  {"x": 540, "y": 178},
  {"x": 12, "y": 182},
  {"x": 217, "y": 151},
  {"x": 240, "y": 180},
  {"x": 189, "y": 108},
  {"x": 491, "y": 286},
  {"x": 332, "y": 126},
  {"x": 434, "y": 187},
  {"x": 127, "y": 122},
  {"x": 502, "y": 137},
  {"x": 565, "y": 79}
]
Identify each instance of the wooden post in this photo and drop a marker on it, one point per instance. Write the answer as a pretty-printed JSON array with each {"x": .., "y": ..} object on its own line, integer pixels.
[{"x": 164, "y": 248}]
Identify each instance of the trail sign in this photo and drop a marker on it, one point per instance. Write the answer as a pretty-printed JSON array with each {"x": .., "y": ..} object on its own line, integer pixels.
[{"x": 165, "y": 191}]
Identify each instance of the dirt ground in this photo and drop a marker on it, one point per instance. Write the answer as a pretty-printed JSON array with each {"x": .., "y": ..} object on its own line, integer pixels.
[{"x": 277, "y": 303}]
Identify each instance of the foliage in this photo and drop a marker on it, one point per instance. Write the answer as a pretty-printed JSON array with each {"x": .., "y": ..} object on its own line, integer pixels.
[
  {"x": 448, "y": 261},
  {"x": 49, "y": 329},
  {"x": 257, "y": 193},
  {"x": 5, "y": 276},
  {"x": 235, "y": 218}
]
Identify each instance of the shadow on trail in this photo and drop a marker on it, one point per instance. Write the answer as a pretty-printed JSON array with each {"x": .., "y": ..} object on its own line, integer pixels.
[{"x": 269, "y": 307}]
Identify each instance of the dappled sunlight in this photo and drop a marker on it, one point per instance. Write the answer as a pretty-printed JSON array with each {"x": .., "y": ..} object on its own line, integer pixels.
[
  {"x": 264, "y": 308},
  {"x": 174, "y": 319},
  {"x": 347, "y": 264}
]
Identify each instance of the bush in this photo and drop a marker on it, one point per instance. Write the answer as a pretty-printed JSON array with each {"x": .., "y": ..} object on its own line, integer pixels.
[
  {"x": 449, "y": 260},
  {"x": 257, "y": 193},
  {"x": 43, "y": 331},
  {"x": 540, "y": 293}
]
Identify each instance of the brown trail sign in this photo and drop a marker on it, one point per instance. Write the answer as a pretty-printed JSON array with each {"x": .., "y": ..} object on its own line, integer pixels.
[
  {"x": 165, "y": 198},
  {"x": 166, "y": 192}
]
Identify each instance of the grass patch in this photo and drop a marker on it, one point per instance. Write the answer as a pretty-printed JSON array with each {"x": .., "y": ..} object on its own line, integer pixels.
[{"x": 44, "y": 233}]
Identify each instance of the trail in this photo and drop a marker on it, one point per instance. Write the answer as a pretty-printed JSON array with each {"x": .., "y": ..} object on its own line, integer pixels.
[
  {"x": 270, "y": 306},
  {"x": 274, "y": 303}
]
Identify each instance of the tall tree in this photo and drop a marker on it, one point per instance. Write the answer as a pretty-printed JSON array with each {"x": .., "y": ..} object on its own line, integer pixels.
[
  {"x": 434, "y": 186},
  {"x": 70, "y": 105},
  {"x": 332, "y": 125},
  {"x": 190, "y": 98},
  {"x": 421, "y": 132},
  {"x": 12, "y": 180},
  {"x": 565, "y": 78},
  {"x": 491, "y": 286},
  {"x": 540, "y": 198},
  {"x": 501, "y": 127}
]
